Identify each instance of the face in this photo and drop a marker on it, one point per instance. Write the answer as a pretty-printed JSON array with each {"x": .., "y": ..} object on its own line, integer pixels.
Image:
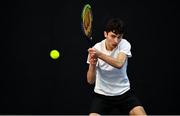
[{"x": 112, "y": 40}]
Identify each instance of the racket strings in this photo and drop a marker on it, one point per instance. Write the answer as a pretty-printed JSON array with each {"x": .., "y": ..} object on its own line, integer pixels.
[{"x": 87, "y": 19}]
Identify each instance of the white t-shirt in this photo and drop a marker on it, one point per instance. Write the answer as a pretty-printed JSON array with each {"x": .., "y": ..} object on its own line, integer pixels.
[{"x": 111, "y": 81}]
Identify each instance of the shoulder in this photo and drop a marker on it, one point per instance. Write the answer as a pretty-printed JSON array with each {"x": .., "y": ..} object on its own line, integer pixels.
[
  {"x": 125, "y": 47},
  {"x": 125, "y": 42}
]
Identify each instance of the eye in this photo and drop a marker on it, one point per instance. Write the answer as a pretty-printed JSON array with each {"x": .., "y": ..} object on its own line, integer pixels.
[
  {"x": 119, "y": 37},
  {"x": 113, "y": 36}
]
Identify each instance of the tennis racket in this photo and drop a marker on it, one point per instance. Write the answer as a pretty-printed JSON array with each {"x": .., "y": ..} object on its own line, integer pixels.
[{"x": 87, "y": 20}]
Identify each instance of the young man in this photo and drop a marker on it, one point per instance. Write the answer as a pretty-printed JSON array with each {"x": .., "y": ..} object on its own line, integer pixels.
[{"x": 107, "y": 69}]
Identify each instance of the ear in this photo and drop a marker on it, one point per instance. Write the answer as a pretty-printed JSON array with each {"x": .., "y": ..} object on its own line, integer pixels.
[{"x": 105, "y": 34}]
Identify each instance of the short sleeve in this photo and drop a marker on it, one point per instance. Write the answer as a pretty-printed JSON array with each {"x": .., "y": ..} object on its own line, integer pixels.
[{"x": 125, "y": 47}]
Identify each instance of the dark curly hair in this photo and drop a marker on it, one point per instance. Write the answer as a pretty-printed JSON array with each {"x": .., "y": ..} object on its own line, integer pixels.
[{"x": 115, "y": 25}]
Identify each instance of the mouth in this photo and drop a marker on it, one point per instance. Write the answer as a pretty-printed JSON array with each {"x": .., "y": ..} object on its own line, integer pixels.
[{"x": 114, "y": 45}]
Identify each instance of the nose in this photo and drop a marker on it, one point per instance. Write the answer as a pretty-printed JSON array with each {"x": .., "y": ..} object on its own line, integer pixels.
[{"x": 116, "y": 40}]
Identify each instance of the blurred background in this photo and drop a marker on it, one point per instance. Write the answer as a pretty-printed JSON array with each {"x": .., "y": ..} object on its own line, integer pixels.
[{"x": 33, "y": 83}]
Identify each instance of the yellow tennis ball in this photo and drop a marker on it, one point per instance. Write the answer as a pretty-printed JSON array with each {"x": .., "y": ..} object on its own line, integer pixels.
[{"x": 54, "y": 54}]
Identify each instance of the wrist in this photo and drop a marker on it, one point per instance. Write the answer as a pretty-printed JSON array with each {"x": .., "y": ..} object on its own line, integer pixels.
[
  {"x": 100, "y": 55},
  {"x": 93, "y": 66}
]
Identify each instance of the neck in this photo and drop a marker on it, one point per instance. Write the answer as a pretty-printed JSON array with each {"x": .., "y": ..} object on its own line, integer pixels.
[{"x": 108, "y": 48}]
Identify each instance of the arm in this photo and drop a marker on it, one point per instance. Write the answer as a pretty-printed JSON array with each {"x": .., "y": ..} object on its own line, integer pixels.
[
  {"x": 115, "y": 62},
  {"x": 91, "y": 74}
]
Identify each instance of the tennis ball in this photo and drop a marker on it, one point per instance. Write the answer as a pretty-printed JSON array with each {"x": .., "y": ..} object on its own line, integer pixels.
[{"x": 54, "y": 54}]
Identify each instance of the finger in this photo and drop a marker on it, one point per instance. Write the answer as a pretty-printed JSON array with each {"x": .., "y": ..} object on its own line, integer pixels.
[
  {"x": 92, "y": 55},
  {"x": 93, "y": 60},
  {"x": 91, "y": 49},
  {"x": 93, "y": 63}
]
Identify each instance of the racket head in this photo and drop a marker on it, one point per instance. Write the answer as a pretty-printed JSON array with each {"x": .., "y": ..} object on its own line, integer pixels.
[{"x": 87, "y": 20}]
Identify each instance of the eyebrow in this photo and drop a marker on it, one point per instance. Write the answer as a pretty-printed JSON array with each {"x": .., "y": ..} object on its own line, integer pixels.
[{"x": 116, "y": 35}]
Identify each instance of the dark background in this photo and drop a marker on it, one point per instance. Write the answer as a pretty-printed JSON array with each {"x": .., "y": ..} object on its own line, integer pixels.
[{"x": 32, "y": 83}]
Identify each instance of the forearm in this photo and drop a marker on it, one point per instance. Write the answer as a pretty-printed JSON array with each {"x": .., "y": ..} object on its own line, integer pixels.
[
  {"x": 91, "y": 74},
  {"x": 110, "y": 60}
]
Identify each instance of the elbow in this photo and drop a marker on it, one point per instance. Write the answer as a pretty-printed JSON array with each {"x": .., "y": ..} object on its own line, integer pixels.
[
  {"x": 90, "y": 78},
  {"x": 119, "y": 66},
  {"x": 90, "y": 81}
]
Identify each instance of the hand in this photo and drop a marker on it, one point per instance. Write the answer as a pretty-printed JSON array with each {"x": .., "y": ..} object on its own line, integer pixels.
[
  {"x": 92, "y": 56},
  {"x": 93, "y": 61},
  {"x": 94, "y": 52}
]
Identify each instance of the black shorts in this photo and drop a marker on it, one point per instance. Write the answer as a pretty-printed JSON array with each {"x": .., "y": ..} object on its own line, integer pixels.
[{"x": 106, "y": 105}]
